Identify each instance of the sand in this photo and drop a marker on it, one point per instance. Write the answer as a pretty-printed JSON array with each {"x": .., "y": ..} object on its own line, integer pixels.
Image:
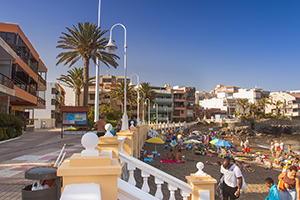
[{"x": 256, "y": 188}]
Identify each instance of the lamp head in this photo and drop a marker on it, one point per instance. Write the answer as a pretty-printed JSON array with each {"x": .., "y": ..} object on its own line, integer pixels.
[{"x": 110, "y": 47}]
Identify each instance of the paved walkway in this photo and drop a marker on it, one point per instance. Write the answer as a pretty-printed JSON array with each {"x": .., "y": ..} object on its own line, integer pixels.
[{"x": 37, "y": 148}]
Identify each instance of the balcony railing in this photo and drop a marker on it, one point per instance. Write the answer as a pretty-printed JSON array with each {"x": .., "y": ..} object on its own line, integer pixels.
[
  {"x": 163, "y": 100},
  {"x": 33, "y": 67},
  {"x": 4, "y": 80},
  {"x": 41, "y": 101},
  {"x": 42, "y": 80},
  {"x": 163, "y": 109},
  {"x": 22, "y": 85},
  {"x": 21, "y": 53}
]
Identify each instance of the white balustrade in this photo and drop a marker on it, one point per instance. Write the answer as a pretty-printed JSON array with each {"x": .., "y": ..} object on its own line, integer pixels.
[
  {"x": 145, "y": 176},
  {"x": 159, "y": 178},
  {"x": 158, "y": 183}
]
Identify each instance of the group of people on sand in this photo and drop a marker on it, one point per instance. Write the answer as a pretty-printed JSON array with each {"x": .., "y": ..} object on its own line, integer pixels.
[
  {"x": 231, "y": 182},
  {"x": 178, "y": 156}
]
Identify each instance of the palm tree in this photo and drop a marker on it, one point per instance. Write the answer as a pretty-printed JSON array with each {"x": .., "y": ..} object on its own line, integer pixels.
[
  {"x": 85, "y": 42},
  {"x": 147, "y": 92},
  {"x": 117, "y": 93},
  {"x": 253, "y": 108},
  {"x": 74, "y": 79},
  {"x": 243, "y": 104},
  {"x": 264, "y": 102},
  {"x": 277, "y": 105}
]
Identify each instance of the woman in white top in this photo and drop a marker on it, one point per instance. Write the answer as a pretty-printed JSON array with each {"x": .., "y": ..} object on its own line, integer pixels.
[{"x": 272, "y": 147}]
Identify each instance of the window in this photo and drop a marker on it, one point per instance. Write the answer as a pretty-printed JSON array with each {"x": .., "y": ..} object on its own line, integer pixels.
[
  {"x": 53, "y": 102},
  {"x": 92, "y": 96},
  {"x": 53, "y": 90},
  {"x": 208, "y": 113},
  {"x": 106, "y": 80},
  {"x": 201, "y": 113},
  {"x": 182, "y": 112},
  {"x": 11, "y": 38}
]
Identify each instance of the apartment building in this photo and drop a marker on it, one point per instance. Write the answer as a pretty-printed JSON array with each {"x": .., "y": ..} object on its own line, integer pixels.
[
  {"x": 201, "y": 95},
  {"x": 55, "y": 98},
  {"x": 163, "y": 104},
  {"x": 290, "y": 106},
  {"x": 227, "y": 96},
  {"x": 184, "y": 103},
  {"x": 22, "y": 73}
]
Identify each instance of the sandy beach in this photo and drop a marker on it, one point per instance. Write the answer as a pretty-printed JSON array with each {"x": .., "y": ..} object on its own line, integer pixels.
[{"x": 256, "y": 188}]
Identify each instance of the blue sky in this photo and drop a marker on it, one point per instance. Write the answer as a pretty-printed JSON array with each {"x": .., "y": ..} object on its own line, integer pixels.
[{"x": 200, "y": 43}]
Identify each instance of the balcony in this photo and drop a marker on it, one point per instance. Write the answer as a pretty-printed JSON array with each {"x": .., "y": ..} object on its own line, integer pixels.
[
  {"x": 22, "y": 85},
  {"x": 33, "y": 67},
  {"x": 161, "y": 100},
  {"x": 4, "y": 80},
  {"x": 41, "y": 101},
  {"x": 165, "y": 109},
  {"x": 20, "y": 51},
  {"x": 42, "y": 80}
]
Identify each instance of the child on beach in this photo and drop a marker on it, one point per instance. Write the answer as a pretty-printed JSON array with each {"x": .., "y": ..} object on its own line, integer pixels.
[
  {"x": 272, "y": 147},
  {"x": 273, "y": 190}
]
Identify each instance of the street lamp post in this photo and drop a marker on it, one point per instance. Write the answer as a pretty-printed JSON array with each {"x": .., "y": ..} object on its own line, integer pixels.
[
  {"x": 138, "y": 98},
  {"x": 111, "y": 48},
  {"x": 96, "y": 112},
  {"x": 148, "y": 110},
  {"x": 156, "y": 106}
]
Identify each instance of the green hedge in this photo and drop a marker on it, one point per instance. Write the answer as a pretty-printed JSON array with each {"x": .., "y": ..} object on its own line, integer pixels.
[{"x": 10, "y": 126}]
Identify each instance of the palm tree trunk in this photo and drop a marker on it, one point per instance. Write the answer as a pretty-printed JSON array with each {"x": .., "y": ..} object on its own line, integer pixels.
[{"x": 86, "y": 82}]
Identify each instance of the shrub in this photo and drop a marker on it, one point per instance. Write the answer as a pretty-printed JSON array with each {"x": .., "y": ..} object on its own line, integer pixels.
[
  {"x": 11, "y": 126},
  {"x": 11, "y": 132}
]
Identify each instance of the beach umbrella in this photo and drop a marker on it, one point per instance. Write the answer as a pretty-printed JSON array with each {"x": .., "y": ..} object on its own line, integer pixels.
[
  {"x": 196, "y": 132},
  {"x": 223, "y": 143},
  {"x": 192, "y": 141},
  {"x": 193, "y": 137},
  {"x": 155, "y": 140},
  {"x": 213, "y": 138},
  {"x": 214, "y": 141}
]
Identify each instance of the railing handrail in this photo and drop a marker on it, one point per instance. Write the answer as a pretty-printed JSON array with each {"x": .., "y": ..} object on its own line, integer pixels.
[
  {"x": 10, "y": 82},
  {"x": 156, "y": 172}
]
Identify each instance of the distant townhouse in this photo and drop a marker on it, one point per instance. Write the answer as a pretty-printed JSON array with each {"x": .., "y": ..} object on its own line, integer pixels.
[
  {"x": 290, "y": 106},
  {"x": 51, "y": 116},
  {"x": 184, "y": 103},
  {"x": 22, "y": 73},
  {"x": 164, "y": 101},
  {"x": 227, "y": 96}
]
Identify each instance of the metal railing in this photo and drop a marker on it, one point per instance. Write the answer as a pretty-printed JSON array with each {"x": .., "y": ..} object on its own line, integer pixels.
[
  {"x": 42, "y": 80},
  {"x": 21, "y": 53},
  {"x": 34, "y": 68},
  {"x": 4, "y": 80},
  {"x": 41, "y": 101},
  {"x": 22, "y": 85}
]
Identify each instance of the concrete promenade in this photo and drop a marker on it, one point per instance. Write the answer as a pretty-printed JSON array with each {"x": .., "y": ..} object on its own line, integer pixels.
[{"x": 37, "y": 148}]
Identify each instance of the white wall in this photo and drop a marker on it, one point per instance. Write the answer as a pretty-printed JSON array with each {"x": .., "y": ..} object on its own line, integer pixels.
[
  {"x": 70, "y": 95},
  {"x": 213, "y": 103}
]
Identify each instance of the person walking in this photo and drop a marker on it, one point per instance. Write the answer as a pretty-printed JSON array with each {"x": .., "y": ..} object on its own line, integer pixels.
[
  {"x": 273, "y": 190},
  {"x": 100, "y": 125},
  {"x": 232, "y": 180},
  {"x": 291, "y": 190}
]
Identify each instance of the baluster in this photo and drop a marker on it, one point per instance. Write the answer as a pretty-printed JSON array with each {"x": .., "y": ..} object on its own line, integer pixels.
[
  {"x": 145, "y": 187},
  {"x": 184, "y": 194},
  {"x": 172, "y": 191},
  {"x": 131, "y": 168},
  {"x": 158, "y": 193}
]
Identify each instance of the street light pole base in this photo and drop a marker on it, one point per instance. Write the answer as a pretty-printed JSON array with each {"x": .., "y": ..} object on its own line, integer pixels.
[{"x": 124, "y": 122}]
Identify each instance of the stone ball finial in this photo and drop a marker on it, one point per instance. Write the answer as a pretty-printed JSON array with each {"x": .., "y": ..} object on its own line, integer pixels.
[
  {"x": 200, "y": 167},
  {"x": 108, "y": 128},
  {"x": 89, "y": 141}
]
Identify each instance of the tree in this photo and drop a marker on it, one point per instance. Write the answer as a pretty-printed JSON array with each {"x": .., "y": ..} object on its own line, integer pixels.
[
  {"x": 74, "y": 79},
  {"x": 243, "y": 104},
  {"x": 264, "y": 102},
  {"x": 253, "y": 109},
  {"x": 277, "y": 105},
  {"x": 117, "y": 93},
  {"x": 147, "y": 92},
  {"x": 85, "y": 42}
]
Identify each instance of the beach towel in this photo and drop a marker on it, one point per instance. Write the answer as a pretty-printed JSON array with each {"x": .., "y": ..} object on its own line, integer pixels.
[{"x": 170, "y": 161}]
